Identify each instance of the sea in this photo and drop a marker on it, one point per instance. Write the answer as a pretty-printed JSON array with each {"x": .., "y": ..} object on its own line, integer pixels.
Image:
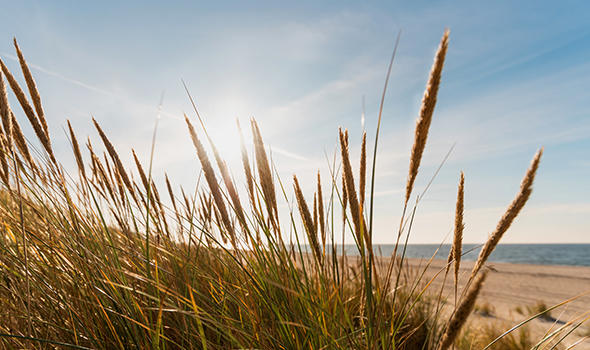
[{"x": 539, "y": 254}]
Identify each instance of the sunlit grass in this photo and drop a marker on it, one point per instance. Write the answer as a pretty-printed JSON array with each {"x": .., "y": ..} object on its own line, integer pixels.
[{"x": 106, "y": 259}]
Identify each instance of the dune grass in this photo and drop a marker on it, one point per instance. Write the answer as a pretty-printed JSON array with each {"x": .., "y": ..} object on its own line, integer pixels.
[
  {"x": 539, "y": 308},
  {"x": 105, "y": 258},
  {"x": 478, "y": 336}
]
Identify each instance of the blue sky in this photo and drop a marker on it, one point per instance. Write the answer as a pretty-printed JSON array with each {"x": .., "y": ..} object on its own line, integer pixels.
[{"x": 516, "y": 78}]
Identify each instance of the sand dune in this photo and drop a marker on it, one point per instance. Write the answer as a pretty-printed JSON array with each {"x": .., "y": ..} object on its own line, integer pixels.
[{"x": 512, "y": 286}]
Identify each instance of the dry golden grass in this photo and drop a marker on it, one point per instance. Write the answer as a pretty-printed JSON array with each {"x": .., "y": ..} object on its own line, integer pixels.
[
  {"x": 76, "y": 150},
  {"x": 461, "y": 314},
  {"x": 20, "y": 141},
  {"x": 35, "y": 96},
  {"x": 321, "y": 218},
  {"x": 458, "y": 233},
  {"x": 115, "y": 157},
  {"x": 80, "y": 268},
  {"x": 5, "y": 112},
  {"x": 265, "y": 176},
  {"x": 348, "y": 178},
  {"x": 426, "y": 111},
  {"x": 40, "y": 131},
  {"x": 212, "y": 181},
  {"x": 526, "y": 188},
  {"x": 308, "y": 222}
]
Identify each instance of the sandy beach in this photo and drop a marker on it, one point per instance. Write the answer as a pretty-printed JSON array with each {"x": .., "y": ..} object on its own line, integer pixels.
[{"x": 511, "y": 288}]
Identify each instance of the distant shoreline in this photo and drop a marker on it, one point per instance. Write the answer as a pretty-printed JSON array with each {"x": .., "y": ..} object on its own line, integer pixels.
[
  {"x": 467, "y": 243},
  {"x": 543, "y": 254}
]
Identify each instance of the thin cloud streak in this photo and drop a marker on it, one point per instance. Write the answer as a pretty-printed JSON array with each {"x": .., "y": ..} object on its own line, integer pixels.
[{"x": 64, "y": 78}]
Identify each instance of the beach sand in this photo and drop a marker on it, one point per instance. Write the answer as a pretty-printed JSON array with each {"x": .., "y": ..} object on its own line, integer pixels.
[{"x": 512, "y": 286}]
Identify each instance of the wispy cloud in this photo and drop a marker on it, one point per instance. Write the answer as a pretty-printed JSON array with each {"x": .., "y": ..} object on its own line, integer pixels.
[
  {"x": 288, "y": 154},
  {"x": 62, "y": 77}
]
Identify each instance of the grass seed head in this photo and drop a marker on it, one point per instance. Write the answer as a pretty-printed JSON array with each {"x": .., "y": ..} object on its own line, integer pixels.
[
  {"x": 5, "y": 112},
  {"x": 459, "y": 225},
  {"x": 223, "y": 217},
  {"x": 426, "y": 111},
  {"x": 349, "y": 184},
  {"x": 265, "y": 175},
  {"x": 115, "y": 157},
  {"x": 21, "y": 141},
  {"x": 526, "y": 188},
  {"x": 32, "y": 86},
  {"x": 76, "y": 149},
  {"x": 363, "y": 170},
  {"x": 307, "y": 219},
  {"x": 40, "y": 132},
  {"x": 461, "y": 314}
]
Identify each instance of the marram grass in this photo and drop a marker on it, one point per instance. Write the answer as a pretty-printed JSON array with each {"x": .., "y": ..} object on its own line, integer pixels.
[{"x": 99, "y": 259}]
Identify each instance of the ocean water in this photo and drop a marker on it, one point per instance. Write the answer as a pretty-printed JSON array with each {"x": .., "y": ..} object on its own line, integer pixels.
[{"x": 540, "y": 254}]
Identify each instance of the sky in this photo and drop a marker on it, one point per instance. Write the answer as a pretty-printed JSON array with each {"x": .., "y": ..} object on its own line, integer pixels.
[{"x": 516, "y": 79}]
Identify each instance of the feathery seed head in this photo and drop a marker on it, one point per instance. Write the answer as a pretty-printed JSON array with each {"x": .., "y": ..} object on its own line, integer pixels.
[
  {"x": 115, "y": 157},
  {"x": 459, "y": 226},
  {"x": 321, "y": 212},
  {"x": 35, "y": 96},
  {"x": 426, "y": 111},
  {"x": 246, "y": 164},
  {"x": 526, "y": 188},
  {"x": 22, "y": 99},
  {"x": 461, "y": 314},
  {"x": 363, "y": 169},
  {"x": 265, "y": 174},
  {"x": 306, "y": 217},
  {"x": 349, "y": 184},
  {"x": 5, "y": 111},
  {"x": 77, "y": 153},
  {"x": 211, "y": 179},
  {"x": 20, "y": 140}
]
